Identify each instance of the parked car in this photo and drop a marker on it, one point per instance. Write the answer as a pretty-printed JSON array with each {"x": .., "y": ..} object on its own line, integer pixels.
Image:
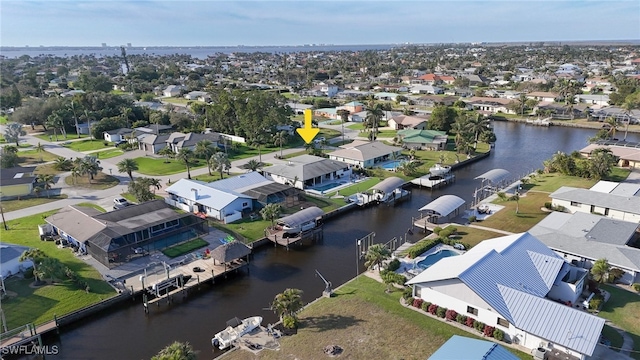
[
  {"x": 319, "y": 140},
  {"x": 120, "y": 202}
]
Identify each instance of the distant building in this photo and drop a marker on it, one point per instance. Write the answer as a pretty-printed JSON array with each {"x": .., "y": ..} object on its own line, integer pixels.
[{"x": 16, "y": 182}]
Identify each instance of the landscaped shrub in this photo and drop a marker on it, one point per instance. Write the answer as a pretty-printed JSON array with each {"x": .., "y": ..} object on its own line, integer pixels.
[
  {"x": 421, "y": 247},
  {"x": 410, "y": 301},
  {"x": 595, "y": 302},
  {"x": 290, "y": 322},
  {"x": 433, "y": 308},
  {"x": 436, "y": 230},
  {"x": 498, "y": 334},
  {"x": 488, "y": 330},
  {"x": 478, "y": 325},
  {"x": 469, "y": 322},
  {"x": 425, "y": 306},
  {"x": 393, "y": 265},
  {"x": 615, "y": 274},
  {"x": 451, "y": 315},
  {"x": 636, "y": 287},
  {"x": 441, "y": 312},
  {"x": 417, "y": 303},
  {"x": 461, "y": 319},
  {"x": 407, "y": 293},
  {"x": 472, "y": 218},
  {"x": 547, "y": 205}
]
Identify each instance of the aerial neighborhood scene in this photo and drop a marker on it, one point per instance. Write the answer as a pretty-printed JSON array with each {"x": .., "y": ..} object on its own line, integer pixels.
[{"x": 312, "y": 180}]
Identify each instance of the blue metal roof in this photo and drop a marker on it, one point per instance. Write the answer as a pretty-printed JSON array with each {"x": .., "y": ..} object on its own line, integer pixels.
[{"x": 464, "y": 348}]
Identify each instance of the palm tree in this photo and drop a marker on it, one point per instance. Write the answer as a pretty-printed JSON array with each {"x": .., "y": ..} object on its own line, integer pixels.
[
  {"x": 177, "y": 351},
  {"x": 280, "y": 138},
  {"x": 390, "y": 278},
  {"x": 628, "y": 106},
  {"x": 613, "y": 126},
  {"x": 45, "y": 180},
  {"x": 271, "y": 212},
  {"x": 257, "y": 143},
  {"x": 127, "y": 166},
  {"x": 521, "y": 101},
  {"x": 219, "y": 162},
  {"x": 600, "y": 271},
  {"x": 344, "y": 116},
  {"x": 204, "y": 149},
  {"x": 372, "y": 120},
  {"x": 167, "y": 153},
  {"x": 288, "y": 303},
  {"x": 252, "y": 165},
  {"x": 516, "y": 197},
  {"x": 35, "y": 255},
  {"x": 13, "y": 132},
  {"x": 126, "y": 113},
  {"x": 90, "y": 166},
  {"x": 56, "y": 121},
  {"x": 375, "y": 255},
  {"x": 39, "y": 148},
  {"x": 476, "y": 126},
  {"x": 185, "y": 155},
  {"x": 502, "y": 196},
  {"x": 155, "y": 183}
]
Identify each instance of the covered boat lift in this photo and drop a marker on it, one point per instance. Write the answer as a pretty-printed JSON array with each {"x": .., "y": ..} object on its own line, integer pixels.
[
  {"x": 292, "y": 228},
  {"x": 445, "y": 207},
  {"x": 494, "y": 177},
  {"x": 389, "y": 189}
]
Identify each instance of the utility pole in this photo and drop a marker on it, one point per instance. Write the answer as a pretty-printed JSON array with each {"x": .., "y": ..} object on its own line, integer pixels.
[{"x": 3, "y": 221}]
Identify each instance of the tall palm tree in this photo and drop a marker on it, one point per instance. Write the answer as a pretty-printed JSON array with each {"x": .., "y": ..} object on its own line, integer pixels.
[
  {"x": 46, "y": 181},
  {"x": 39, "y": 148},
  {"x": 219, "y": 162},
  {"x": 628, "y": 106},
  {"x": 476, "y": 126},
  {"x": 288, "y": 303},
  {"x": 375, "y": 255},
  {"x": 257, "y": 142},
  {"x": 185, "y": 155},
  {"x": 35, "y": 255},
  {"x": 177, "y": 351},
  {"x": 127, "y": 166},
  {"x": 167, "y": 153},
  {"x": 600, "y": 271},
  {"x": 344, "y": 116},
  {"x": 516, "y": 197},
  {"x": 372, "y": 120},
  {"x": 155, "y": 183},
  {"x": 613, "y": 126},
  {"x": 56, "y": 121},
  {"x": 204, "y": 149},
  {"x": 280, "y": 138}
]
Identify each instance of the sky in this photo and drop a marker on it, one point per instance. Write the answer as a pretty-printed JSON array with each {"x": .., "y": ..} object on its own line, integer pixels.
[{"x": 298, "y": 22}]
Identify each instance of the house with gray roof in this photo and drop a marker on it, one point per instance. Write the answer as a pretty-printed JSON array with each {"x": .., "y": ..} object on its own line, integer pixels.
[
  {"x": 583, "y": 238},
  {"x": 518, "y": 285},
  {"x": 10, "y": 263},
  {"x": 308, "y": 171},
  {"x": 365, "y": 154},
  {"x": 152, "y": 143},
  {"x": 17, "y": 181},
  {"x": 615, "y": 206}
]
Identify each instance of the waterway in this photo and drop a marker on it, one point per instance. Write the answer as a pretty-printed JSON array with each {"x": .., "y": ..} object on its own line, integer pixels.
[{"x": 127, "y": 333}]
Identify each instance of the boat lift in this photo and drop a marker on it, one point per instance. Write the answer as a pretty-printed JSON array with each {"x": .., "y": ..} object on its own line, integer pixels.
[{"x": 328, "y": 291}]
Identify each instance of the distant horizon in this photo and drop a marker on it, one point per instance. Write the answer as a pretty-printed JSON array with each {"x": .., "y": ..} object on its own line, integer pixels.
[{"x": 153, "y": 23}]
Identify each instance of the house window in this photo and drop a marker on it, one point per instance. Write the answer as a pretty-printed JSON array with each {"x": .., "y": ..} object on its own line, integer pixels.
[
  {"x": 503, "y": 322},
  {"x": 593, "y": 208},
  {"x": 245, "y": 204},
  {"x": 606, "y": 212},
  {"x": 575, "y": 203},
  {"x": 472, "y": 310}
]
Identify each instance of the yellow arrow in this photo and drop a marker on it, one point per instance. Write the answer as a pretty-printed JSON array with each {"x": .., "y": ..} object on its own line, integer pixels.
[{"x": 307, "y": 133}]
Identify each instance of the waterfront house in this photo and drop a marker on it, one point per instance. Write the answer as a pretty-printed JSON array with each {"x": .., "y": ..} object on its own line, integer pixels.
[
  {"x": 118, "y": 236},
  {"x": 307, "y": 171},
  {"x": 400, "y": 122},
  {"x": 426, "y": 89},
  {"x": 10, "y": 263},
  {"x": 198, "y": 197},
  {"x": 253, "y": 184},
  {"x": 461, "y": 347},
  {"x": 352, "y": 107},
  {"x": 543, "y": 96},
  {"x": 488, "y": 105},
  {"x": 365, "y": 154},
  {"x": 582, "y": 238},
  {"x": 533, "y": 305},
  {"x": 628, "y": 156},
  {"x": 16, "y": 182},
  {"x": 620, "y": 204},
  {"x": 423, "y": 139}
]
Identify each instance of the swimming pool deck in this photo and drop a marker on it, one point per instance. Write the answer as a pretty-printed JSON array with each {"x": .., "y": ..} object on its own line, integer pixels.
[{"x": 409, "y": 268}]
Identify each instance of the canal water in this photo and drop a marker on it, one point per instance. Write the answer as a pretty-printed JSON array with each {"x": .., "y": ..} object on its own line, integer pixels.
[{"x": 127, "y": 333}]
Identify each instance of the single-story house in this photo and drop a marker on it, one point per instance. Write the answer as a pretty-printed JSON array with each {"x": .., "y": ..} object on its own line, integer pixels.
[
  {"x": 386, "y": 96},
  {"x": 198, "y": 197},
  {"x": 308, "y": 171},
  {"x": 543, "y": 96},
  {"x": 113, "y": 238},
  {"x": 628, "y": 156},
  {"x": 489, "y": 105},
  {"x": 16, "y": 181},
  {"x": 365, "y": 154},
  {"x": 464, "y": 348},
  {"x": 583, "y": 238},
  {"x": 172, "y": 90},
  {"x": 154, "y": 129},
  {"x": 616, "y": 206},
  {"x": 10, "y": 263},
  {"x": 533, "y": 304},
  {"x": 253, "y": 184},
  {"x": 152, "y": 143},
  {"x": 352, "y": 107},
  {"x": 178, "y": 140},
  {"x": 330, "y": 113},
  {"x": 426, "y": 89},
  {"x": 600, "y": 100},
  {"x": 118, "y": 135},
  {"x": 298, "y": 108},
  {"x": 432, "y": 100},
  {"x": 400, "y": 122},
  {"x": 423, "y": 139},
  {"x": 198, "y": 95}
]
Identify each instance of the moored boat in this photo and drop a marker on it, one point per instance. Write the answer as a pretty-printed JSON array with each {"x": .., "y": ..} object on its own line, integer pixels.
[
  {"x": 439, "y": 169},
  {"x": 235, "y": 330}
]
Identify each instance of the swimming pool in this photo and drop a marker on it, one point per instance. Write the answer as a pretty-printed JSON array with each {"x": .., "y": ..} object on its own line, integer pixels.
[
  {"x": 393, "y": 164},
  {"x": 326, "y": 187},
  {"x": 433, "y": 258}
]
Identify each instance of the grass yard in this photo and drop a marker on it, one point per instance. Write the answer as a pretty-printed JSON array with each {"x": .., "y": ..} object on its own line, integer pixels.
[
  {"x": 214, "y": 177},
  {"x": 175, "y": 100},
  {"x": 47, "y": 169},
  {"x": 552, "y": 182},
  {"x": 40, "y": 304},
  {"x": 184, "y": 248},
  {"x": 623, "y": 309},
  {"x": 92, "y": 205},
  {"x": 528, "y": 215},
  {"x": 245, "y": 229},
  {"x": 48, "y": 136},
  {"x": 612, "y": 335},
  {"x": 618, "y": 174},
  {"x": 34, "y": 157},
  {"x": 107, "y": 154},
  {"x": 356, "y": 126},
  {"x": 358, "y": 187},
  {"x": 25, "y": 202},
  {"x": 363, "y": 320},
  {"x": 3, "y": 120},
  {"x": 88, "y": 145},
  {"x": 474, "y": 236},
  {"x": 381, "y": 133},
  {"x": 100, "y": 182},
  {"x": 156, "y": 167}
]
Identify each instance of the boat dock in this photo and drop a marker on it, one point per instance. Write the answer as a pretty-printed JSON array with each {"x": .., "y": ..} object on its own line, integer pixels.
[
  {"x": 279, "y": 237},
  {"x": 424, "y": 223},
  {"x": 430, "y": 182}
]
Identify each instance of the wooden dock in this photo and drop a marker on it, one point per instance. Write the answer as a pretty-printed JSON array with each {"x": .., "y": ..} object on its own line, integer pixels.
[
  {"x": 434, "y": 183},
  {"x": 424, "y": 224},
  {"x": 278, "y": 237},
  {"x": 26, "y": 334}
]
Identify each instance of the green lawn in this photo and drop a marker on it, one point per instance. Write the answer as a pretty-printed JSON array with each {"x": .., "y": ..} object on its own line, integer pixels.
[
  {"x": 529, "y": 213},
  {"x": 358, "y": 187},
  {"x": 156, "y": 167},
  {"x": 618, "y": 174},
  {"x": 88, "y": 145},
  {"x": 33, "y": 157},
  {"x": 100, "y": 182},
  {"x": 612, "y": 335},
  {"x": 184, "y": 248},
  {"x": 13, "y": 205},
  {"x": 46, "y": 169},
  {"x": 45, "y": 136},
  {"x": 214, "y": 177},
  {"x": 107, "y": 154},
  {"x": 92, "y": 205},
  {"x": 41, "y": 304},
  {"x": 552, "y": 182},
  {"x": 474, "y": 236},
  {"x": 175, "y": 100},
  {"x": 364, "y": 320},
  {"x": 245, "y": 230},
  {"x": 356, "y": 126},
  {"x": 3, "y": 120},
  {"x": 623, "y": 309}
]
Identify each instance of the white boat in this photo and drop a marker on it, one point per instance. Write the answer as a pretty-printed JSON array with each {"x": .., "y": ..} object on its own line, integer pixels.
[
  {"x": 235, "y": 330},
  {"x": 439, "y": 169}
]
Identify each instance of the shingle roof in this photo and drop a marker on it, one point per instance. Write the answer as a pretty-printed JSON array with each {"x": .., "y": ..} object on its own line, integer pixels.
[
  {"x": 362, "y": 151},
  {"x": 305, "y": 167},
  {"x": 17, "y": 175},
  {"x": 630, "y": 204},
  {"x": 77, "y": 222}
]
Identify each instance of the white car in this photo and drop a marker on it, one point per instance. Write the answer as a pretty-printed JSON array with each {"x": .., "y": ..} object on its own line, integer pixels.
[{"x": 120, "y": 202}]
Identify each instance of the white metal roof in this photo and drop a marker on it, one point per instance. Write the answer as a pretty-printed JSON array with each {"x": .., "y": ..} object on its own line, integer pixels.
[
  {"x": 240, "y": 183},
  {"x": 604, "y": 186},
  {"x": 444, "y": 205},
  {"x": 388, "y": 185},
  {"x": 302, "y": 216},
  {"x": 495, "y": 175},
  {"x": 206, "y": 195}
]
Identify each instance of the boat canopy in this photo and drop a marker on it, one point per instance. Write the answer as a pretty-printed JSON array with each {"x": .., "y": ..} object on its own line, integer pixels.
[
  {"x": 495, "y": 176},
  {"x": 444, "y": 205},
  {"x": 387, "y": 185},
  {"x": 302, "y": 216}
]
